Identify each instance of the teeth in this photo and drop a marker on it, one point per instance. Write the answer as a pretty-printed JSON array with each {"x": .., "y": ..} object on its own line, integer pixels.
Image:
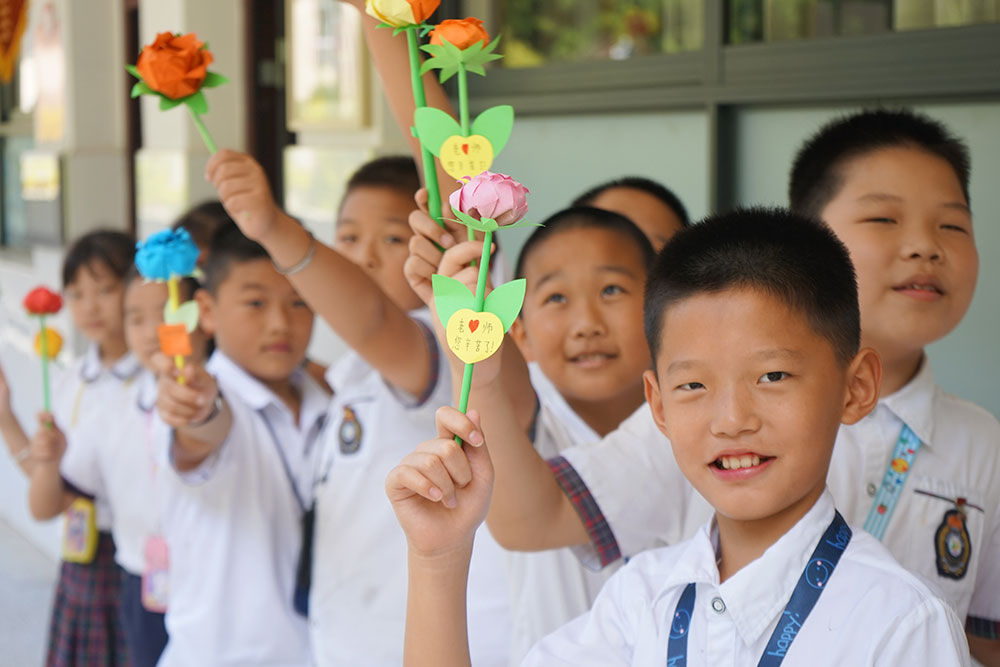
[{"x": 737, "y": 462}]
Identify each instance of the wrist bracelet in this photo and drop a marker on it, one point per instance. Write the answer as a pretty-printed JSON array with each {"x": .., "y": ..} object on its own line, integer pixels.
[
  {"x": 22, "y": 455},
  {"x": 302, "y": 263},
  {"x": 216, "y": 409}
]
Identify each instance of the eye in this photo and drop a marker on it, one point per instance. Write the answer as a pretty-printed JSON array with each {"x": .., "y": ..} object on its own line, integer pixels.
[
  {"x": 772, "y": 376},
  {"x": 881, "y": 220},
  {"x": 612, "y": 290},
  {"x": 394, "y": 240},
  {"x": 347, "y": 239},
  {"x": 299, "y": 303},
  {"x": 255, "y": 303},
  {"x": 955, "y": 228},
  {"x": 555, "y": 297},
  {"x": 690, "y": 386}
]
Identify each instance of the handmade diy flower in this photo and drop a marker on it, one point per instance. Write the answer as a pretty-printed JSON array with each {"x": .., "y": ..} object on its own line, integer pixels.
[
  {"x": 165, "y": 254},
  {"x": 42, "y": 301},
  {"x": 463, "y": 33},
  {"x": 495, "y": 196},
  {"x": 174, "y": 65},
  {"x": 399, "y": 13},
  {"x": 53, "y": 342}
]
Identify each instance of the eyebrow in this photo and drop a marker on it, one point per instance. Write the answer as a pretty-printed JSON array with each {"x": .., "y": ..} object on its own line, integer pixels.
[
  {"x": 876, "y": 197},
  {"x": 253, "y": 286},
  {"x": 613, "y": 268},
  {"x": 392, "y": 219},
  {"x": 763, "y": 355}
]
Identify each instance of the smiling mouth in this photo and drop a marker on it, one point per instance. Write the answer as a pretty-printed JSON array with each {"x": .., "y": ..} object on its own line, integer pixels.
[
  {"x": 592, "y": 358},
  {"x": 919, "y": 287},
  {"x": 740, "y": 462}
]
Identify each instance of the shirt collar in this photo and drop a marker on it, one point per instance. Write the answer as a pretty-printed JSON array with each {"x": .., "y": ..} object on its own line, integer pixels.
[
  {"x": 125, "y": 368},
  {"x": 756, "y": 595},
  {"x": 253, "y": 393},
  {"x": 913, "y": 403}
]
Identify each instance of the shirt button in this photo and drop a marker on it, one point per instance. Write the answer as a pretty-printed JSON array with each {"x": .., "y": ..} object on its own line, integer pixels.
[
  {"x": 871, "y": 489},
  {"x": 718, "y": 605}
]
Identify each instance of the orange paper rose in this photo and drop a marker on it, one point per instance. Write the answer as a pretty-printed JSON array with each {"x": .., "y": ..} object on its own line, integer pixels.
[
  {"x": 174, "y": 65},
  {"x": 398, "y": 13},
  {"x": 463, "y": 33}
]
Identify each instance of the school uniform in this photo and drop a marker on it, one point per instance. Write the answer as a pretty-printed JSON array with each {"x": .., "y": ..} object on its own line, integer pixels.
[
  {"x": 118, "y": 465},
  {"x": 869, "y": 610},
  {"x": 234, "y": 529},
  {"x": 85, "y": 626},
  {"x": 357, "y": 605},
  {"x": 956, "y": 549},
  {"x": 550, "y": 588}
]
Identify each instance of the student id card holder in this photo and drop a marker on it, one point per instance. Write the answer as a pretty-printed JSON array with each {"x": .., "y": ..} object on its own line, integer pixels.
[
  {"x": 155, "y": 575},
  {"x": 79, "y": 543}
]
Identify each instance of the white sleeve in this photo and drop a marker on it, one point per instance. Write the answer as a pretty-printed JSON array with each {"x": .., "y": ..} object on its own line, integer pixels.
[
  {"x": 643, "y": 499},
  {"x": 929, "y": 634},
  {"x": 984, "y": 609}
]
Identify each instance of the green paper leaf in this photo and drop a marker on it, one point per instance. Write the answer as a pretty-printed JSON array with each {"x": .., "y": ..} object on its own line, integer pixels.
[
  {"x": 495, "y": 124},
  {"x": 522, "y": 223},
  {"x": 450, "y": 296},
  {"x": 131, "y": 69},
  {"x": 505, "y": 301},
  {"x": 167, "y": 103},
  {"x": 141, "y": 88},
  {"x": 447, "y": 73},
  {"x": 433, "y": 127},
  {"x": 186, "y": 314},
  {"x": 482, "y": 225},
  {"x": 213, "y": 79},
  {"x": 197, "y": 102}
]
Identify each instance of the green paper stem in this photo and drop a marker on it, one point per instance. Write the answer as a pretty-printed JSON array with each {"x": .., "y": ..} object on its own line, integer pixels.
[
  {"x": 426, "y": 157},
  {"x": 202, "y": 130},
  {"x": 484, "y": 263},
  {"x": 463, "y": 99},
  {"x": 46, "y": 391}
]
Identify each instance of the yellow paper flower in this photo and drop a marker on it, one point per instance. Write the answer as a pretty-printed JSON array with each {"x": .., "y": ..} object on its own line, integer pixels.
[
  {"x": 53, "y": 342},
  {"x": 399, "y": 13}
]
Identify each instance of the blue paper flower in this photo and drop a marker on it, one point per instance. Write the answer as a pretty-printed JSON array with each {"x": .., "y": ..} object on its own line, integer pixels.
[{"x": 165, "y": 254}]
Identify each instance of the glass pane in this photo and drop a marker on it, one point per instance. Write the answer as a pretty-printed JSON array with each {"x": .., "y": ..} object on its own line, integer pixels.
[
  {"x": 551, "y": 31},
  {"x": 15, "y": 219},
  {"x": 782, "y": 20}
]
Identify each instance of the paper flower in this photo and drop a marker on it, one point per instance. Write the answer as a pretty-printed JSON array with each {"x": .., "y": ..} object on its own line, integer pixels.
[
  {"x": 165, "y": 254},
  {"x": 463, "y": 33},
  {"x": 492, "y": 196},
  {"x": 42, "y": 301},
  {"x": 399, "y": 13},
  {"x": 174, "y": 65},
  {"x": 53, "y": 343}
]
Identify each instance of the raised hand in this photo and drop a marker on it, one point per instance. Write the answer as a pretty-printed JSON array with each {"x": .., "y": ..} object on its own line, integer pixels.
[
  {"x": 183, "y": 404},
  {"x": 441, "y": 492},
  {"x": 48, "y": 444},
  {"x": 244, "y": 192}
]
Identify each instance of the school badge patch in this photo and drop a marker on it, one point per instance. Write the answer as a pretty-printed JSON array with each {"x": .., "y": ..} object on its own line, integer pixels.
[
  {"x": 952, "y": 545},
  {"x": 349, "y": 433}
]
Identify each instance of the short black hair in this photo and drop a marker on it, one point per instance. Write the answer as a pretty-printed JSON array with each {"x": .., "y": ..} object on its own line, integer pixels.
[
  {"x": 795, "y": 259},
  {"x": 112, "y": 248},
  {"x": 229, "y": 246},
  {"x": 817, "y": 173},
  {"x": 398, "y": 172},
  {"x": 202, "y": 221},
  {"x": 649, "y": 186},
  {"x": 585, "y": 217}
]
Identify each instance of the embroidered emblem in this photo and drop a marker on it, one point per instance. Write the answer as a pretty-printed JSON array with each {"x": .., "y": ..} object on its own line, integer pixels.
[
  {"x": 349, "y": 433},
  {"x": 952, "y": 544}
]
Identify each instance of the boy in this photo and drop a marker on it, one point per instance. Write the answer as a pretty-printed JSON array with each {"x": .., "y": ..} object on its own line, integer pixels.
[
  {"x": 752, "y": 412},
  {"x": 241, "y": 455},
  {"x": 893, "y": 186}
]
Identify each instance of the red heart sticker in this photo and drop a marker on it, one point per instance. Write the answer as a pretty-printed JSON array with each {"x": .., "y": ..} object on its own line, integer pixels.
[
  {"x": 465, "y": 148},
  {"x": 473, "y": 325}
]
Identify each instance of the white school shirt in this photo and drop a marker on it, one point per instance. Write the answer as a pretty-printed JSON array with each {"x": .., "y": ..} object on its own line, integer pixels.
[
  {"x": 357, "y": 605},
  {"x": 120, "y": 467},
  {"x": 871, "y": 611},
  {"x": 550, "y": 588},
  {"x": 234, "y": 532},
  {"x": 960, "y": 457},
  {"x": 88, "y": 402}
]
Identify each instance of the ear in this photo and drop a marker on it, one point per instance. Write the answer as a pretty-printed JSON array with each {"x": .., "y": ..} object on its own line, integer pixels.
[
  {"x": 651, "y": 385},
  {"x": 520, "y": 337},
  {"x": 206, "y": 311},
  {"x": 864, "y": 378}
]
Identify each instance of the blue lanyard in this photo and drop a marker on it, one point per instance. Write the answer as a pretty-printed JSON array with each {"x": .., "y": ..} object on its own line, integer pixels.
[
  {"x": 811, "y": 583},
  {"x": 891, "y": 489}
]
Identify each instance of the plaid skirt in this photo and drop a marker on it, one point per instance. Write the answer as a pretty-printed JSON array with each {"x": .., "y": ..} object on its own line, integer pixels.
[{"x": 85, "y": 630}]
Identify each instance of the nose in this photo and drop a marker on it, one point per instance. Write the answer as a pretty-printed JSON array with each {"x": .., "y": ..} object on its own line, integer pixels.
[
  {"x": 369, "y": 255},
  {"x": 278, "y": 317},
  {"x": 921, "y": 242},
  {"x": 588, "y": 320},
  {"x": 734, "y": 413}
]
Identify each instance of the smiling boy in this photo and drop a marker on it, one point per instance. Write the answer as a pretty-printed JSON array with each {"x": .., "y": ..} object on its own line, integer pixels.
[{"x": 777, "y": 572}]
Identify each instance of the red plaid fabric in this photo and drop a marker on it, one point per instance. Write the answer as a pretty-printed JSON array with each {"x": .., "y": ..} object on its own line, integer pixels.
[{"x": 593, "y": 519}]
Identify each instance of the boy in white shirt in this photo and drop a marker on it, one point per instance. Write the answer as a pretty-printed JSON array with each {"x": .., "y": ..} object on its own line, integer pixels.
[
  {"x": 242, "y": 452},
  {"x": 753, "y": 323}
]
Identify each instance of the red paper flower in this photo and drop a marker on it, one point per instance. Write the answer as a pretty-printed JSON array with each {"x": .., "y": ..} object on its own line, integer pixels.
[
  {"x": 42, "y": 301},
  {"x": 174, "y": 65}
]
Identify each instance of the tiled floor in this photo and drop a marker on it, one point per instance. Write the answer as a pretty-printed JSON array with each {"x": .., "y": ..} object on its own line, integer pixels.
[{"x": 27, "y": 580}]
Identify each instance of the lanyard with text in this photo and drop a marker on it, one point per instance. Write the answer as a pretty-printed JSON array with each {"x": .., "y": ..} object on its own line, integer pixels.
[
  {"x": 811, "y": 583},
  {"x": 891, "y": 489}
]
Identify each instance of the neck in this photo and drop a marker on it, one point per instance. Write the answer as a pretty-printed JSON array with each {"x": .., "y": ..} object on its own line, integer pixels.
[
  {"x": 898, "y": 370},
  {"x": 289, "y": 395},
  {"x": 742, "y": 542},
  {"x": 605, "y": 415},
  {"x": 111, "y": 351}
]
